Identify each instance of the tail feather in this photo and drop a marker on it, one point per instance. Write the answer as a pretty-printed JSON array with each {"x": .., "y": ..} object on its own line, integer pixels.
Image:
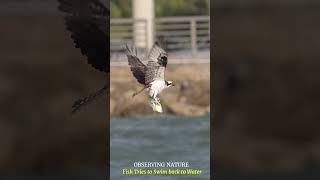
[{"x": 86, "y": 100}]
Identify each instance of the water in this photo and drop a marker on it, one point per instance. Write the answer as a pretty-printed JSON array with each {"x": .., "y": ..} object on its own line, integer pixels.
[{"x": 160, "y": 138}]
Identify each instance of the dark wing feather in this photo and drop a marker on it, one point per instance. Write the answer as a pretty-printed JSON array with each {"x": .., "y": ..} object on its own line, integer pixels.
[
  {"x": 88, "y": 21},
  {"x": 158, "y": 55},
  {"x": 157, "y": 62},
  {"x": 137, "y": 68}
]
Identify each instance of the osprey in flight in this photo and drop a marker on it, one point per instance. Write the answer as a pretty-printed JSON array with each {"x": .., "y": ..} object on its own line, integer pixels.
[
  {"x": 88, "y": 22},
  {"x": 151, "y": 76}
]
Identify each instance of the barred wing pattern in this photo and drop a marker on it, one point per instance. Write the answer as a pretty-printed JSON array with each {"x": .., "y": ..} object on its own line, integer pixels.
[
  {"x": 157, "y": 62},
  {"x": 88, "y": 22},
  {"x": 137, "y": 68}
]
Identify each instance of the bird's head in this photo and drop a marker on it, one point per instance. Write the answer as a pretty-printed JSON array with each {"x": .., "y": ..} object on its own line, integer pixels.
[{"x": 169, "y": 83}]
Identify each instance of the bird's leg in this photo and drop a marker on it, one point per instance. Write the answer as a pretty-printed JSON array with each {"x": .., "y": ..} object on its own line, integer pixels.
[
  {"x": 81, "y": 102},
  {"x": 138, "y": 92},
  {"x": 156, "y": 98}
]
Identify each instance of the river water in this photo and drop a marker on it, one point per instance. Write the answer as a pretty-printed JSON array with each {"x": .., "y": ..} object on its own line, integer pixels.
[{"x": 160, "y": 139}]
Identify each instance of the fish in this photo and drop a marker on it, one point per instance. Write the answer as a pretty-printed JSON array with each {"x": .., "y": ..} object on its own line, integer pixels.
[{"x": 156, "y": 105}]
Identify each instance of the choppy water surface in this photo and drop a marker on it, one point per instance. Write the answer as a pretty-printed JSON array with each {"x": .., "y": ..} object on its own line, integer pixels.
[{"x": 160, "y": 138}]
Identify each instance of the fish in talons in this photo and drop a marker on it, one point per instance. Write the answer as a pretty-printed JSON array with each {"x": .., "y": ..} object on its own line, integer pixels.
[{"x": 156, "y": 105}]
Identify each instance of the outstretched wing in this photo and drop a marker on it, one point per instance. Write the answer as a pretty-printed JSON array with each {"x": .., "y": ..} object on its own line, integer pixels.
[
  {"x": 157, "y": 62},
  {"x": 137, "y": 68},
  {"x": 88, "y": 21}
]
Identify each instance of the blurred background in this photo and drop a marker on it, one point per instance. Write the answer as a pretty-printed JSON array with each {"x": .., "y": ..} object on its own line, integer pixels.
[
  {"x": 182, "y": 132},
  {"x": 266, "y": 101},
  {"x": 42, "y": 74}
]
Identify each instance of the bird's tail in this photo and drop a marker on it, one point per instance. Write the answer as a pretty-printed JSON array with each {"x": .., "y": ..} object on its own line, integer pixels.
[{"x": 86, "y": 100}]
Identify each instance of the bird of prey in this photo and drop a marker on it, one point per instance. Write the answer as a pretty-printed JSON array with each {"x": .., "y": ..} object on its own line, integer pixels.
[
  {"x": 151, "y": 76},
  {"x": 88, "y": 22}
]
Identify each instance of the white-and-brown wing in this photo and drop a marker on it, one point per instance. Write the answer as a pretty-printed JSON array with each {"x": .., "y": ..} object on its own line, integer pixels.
[
  {"x": 137, "y": 68},
  {"x": 157, "y": 62}
]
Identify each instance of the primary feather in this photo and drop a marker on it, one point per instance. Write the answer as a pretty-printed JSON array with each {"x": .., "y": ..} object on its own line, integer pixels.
[
  {"x": 88, "y": 22},
  {"x": 137, "y": 68}
]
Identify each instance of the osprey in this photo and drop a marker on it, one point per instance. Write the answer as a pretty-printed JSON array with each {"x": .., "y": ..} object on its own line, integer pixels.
[
  {"x": 151, "y": 76},
  {"x": 88, "y": 21}
]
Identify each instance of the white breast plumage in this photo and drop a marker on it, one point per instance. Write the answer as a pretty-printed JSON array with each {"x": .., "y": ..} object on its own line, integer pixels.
[{"x": 156, "y": 87}]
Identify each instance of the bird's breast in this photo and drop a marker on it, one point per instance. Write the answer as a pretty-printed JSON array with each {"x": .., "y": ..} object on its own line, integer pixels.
[{"x": 157, "y": 86}]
